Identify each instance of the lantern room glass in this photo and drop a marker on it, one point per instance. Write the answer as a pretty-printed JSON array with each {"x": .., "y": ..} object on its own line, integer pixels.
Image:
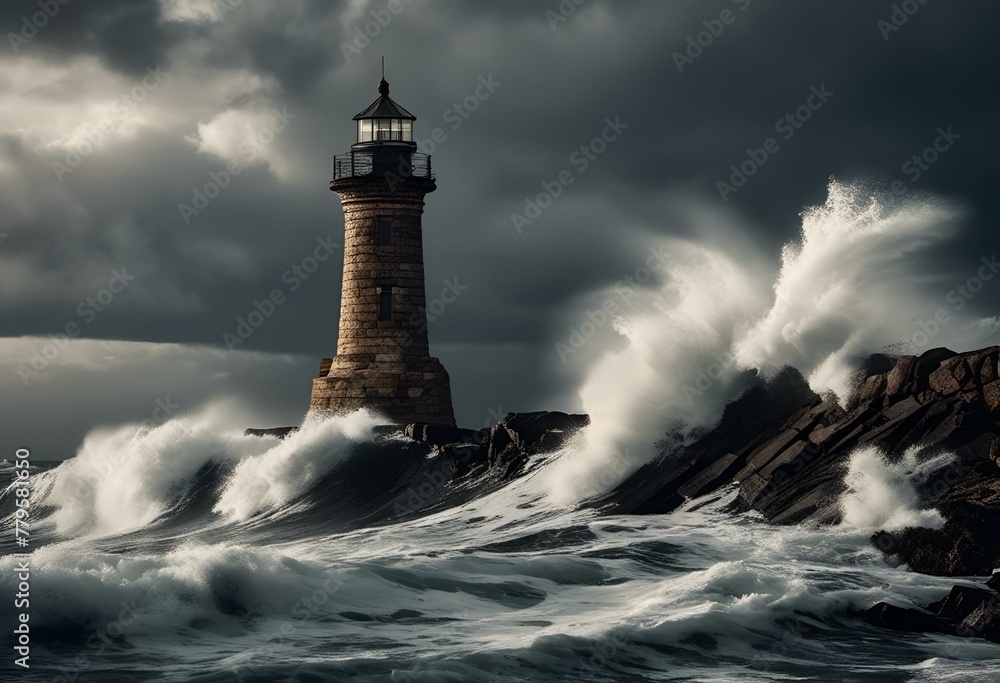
[{"x": 380, "y": 130}]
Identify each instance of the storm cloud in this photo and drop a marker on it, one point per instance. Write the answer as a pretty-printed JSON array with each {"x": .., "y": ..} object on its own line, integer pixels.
[{"x": 605, "y": 126}]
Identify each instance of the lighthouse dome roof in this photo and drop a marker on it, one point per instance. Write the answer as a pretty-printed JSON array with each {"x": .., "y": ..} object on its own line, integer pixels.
[{"x": 384, "y": 107}]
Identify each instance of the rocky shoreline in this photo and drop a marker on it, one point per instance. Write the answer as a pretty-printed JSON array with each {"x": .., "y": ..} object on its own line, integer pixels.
[{"x": 787, "y": 450}]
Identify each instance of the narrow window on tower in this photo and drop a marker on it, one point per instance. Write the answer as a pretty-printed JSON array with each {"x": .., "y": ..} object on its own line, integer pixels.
[
  {"x": 384, "y": 231},
  {"x": 385, "y": 304}
]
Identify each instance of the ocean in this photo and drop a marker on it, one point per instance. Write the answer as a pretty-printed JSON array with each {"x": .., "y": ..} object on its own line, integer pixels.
[
  {"x": 187, "y": 551},
  {"x": 206, "y": 555}
]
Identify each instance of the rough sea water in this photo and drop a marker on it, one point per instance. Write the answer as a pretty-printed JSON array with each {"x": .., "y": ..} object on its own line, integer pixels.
[{"x": 190, "y": 552}]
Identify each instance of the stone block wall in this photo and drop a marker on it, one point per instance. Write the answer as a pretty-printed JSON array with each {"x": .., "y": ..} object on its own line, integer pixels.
[{"x": 384, "y": 364}]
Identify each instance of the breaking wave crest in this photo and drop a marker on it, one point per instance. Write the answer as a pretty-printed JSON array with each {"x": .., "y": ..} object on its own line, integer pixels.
[{"x": 847, "y": 288}]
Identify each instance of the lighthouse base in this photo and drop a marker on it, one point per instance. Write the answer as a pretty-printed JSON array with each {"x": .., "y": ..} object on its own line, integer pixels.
[{"x": 404, "y": 391}]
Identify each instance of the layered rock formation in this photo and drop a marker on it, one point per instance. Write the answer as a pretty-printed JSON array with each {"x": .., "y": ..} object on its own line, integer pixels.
[
  {"x": 788, "y": 451},
  {"x": 967, "y": 611},
  {"x": 505, "y": 448}
]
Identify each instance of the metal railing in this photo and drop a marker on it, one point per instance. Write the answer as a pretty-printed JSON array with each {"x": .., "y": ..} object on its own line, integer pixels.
[{"x": 399, "y": 165}]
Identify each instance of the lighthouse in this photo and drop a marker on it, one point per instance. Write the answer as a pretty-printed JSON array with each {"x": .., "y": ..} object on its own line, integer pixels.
[{"x": 382, "y": 360}]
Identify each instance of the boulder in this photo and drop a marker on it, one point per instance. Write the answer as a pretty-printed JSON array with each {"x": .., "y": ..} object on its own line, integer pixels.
[
  {"x": 983, "y": 622},
  {"x": 279, "y": 432},
  {"x": 988, "y": 368},
  {"x": 910, "y": 619},
  {"x": 443, "y": 435},
  {"x": 967, "y": 611},
  {"x": 873, "y": 388},
  {"x": 899, "y": 378},
  {"x": 991, "y": 395},
  {"x": 928, "y": 362},
  {"x": 709, "y": 479},
  {"x": 519, "y": 436},
  {"x": 944, "y": 380},
  {"x": 961, "y": 602}
]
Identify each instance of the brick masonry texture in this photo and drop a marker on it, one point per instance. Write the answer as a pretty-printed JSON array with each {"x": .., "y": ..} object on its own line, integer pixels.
[{"x": 384, "y": 365}]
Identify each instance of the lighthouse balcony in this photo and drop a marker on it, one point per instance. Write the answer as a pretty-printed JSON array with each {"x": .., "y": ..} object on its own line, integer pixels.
[{"x": 390, "y": 163}]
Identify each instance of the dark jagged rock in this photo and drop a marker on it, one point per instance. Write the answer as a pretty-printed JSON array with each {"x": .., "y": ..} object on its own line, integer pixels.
[
  {"x": 906, "y": 619},
  {"x": 747, "y": 424},
  {"x": 983, "y": 622},
  {"x": 966, "y": 611},
  {"x": 967, "y": 545},
  {"x": 788, "y": 449},
  {"x": 960, "y": 603},
  {"x": 506, "y": 447},
  {"x": 443, "y": 435},
  {"x": 280, "y": 432},
  {"x": 466, "y": 448},
  {"x": 519, "y": 436}
]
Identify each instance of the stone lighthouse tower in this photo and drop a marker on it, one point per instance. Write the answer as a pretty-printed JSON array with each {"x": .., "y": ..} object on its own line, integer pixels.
[{"x": 382, "y": 359}]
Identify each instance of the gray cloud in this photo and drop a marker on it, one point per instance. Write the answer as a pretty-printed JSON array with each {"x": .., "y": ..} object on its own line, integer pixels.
[{"x": 119, "y": 207}]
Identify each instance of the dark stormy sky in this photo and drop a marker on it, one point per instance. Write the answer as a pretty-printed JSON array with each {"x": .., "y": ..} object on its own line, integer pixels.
[{"x": 114, "y": 114}]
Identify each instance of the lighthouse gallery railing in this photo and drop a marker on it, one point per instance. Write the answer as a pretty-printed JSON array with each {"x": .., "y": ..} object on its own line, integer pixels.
[{"x": 402, "y": 165}]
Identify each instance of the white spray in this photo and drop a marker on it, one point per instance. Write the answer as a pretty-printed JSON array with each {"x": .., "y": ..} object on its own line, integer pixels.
[{"x": 846, "y": 289}]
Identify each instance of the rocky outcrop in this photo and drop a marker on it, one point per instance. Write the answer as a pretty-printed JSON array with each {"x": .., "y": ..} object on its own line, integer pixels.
[
  {"x": 519, "y": 436},
  {"x": 787, "y": 450},
  {"x": 505, "y": 448},
  {"x": 967, "y": 611},
  {"x": 279, "y": 432}
]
